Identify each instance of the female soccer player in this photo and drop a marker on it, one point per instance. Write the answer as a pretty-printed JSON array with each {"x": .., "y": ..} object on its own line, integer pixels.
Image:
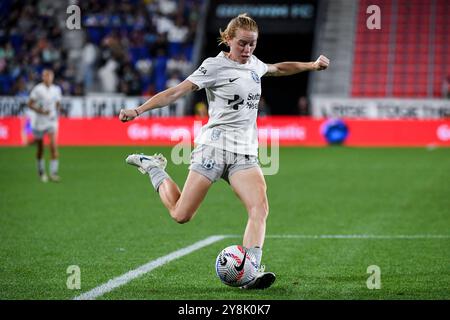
[
  {"x": 45, "y": 101},
  {"x": 227, "y": 146}
]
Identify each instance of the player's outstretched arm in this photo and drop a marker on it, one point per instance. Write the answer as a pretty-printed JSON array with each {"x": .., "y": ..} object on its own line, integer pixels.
[
  {"x": 289, "y": 68},
  {"x": 164, "y": 98}
]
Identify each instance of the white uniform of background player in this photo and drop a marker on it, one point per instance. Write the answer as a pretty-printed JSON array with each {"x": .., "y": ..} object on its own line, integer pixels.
[
  {"x": 45, "y": 101},
  {"x": 227, "y": 145}
]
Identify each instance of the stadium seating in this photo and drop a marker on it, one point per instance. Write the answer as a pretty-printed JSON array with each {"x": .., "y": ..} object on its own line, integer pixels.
[
  {"x": 407, "y": 56},
  {"x": 129, "y": 32}
]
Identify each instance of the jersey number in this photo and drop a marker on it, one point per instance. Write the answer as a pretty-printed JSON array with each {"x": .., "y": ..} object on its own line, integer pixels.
[{"x": 234, "y": 105}]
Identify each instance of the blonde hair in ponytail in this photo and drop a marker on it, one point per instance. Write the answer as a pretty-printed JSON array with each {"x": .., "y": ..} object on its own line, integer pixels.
[{"x": 242, "y": 21}]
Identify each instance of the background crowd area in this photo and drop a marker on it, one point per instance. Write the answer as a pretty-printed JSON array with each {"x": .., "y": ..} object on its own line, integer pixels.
[{"x": 135, "y": 47}]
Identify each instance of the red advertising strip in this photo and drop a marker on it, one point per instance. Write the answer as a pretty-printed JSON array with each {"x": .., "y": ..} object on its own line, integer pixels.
[
  {"x": 291, "y": 131},
  {"x": 110, "y": 131},
  {"x": 399, "y": 133},
  {"x": 12, "y": 131}
]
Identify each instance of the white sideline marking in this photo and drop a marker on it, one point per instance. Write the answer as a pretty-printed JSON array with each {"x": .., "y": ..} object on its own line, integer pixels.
[
  {"x": 136, "y": 273},
  {"x": 133, "y": 274}
]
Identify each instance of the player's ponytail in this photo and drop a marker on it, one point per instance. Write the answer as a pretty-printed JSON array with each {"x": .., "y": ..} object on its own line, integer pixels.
[{"x": 242, "y": 21}]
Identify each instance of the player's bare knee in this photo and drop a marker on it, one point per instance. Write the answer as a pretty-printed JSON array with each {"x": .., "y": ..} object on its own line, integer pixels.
[{"x": 182, "y": 217}]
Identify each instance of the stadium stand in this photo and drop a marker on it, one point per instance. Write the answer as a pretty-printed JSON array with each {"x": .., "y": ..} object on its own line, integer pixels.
[
  {"x": 132, "y": 47},
  {"x": 407, "y": 56}
]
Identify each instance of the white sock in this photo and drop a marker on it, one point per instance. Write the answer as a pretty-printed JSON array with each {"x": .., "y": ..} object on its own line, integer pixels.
[
  {"x": 54, "y": 166},
  {"x": 41, "y": 166},
  {"x": 257, "y": 253},
  {"x": 157, "y": 176}
]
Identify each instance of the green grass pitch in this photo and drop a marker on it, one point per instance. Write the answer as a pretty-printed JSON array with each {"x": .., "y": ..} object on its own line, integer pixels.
[{"x": 105, "y": 218}]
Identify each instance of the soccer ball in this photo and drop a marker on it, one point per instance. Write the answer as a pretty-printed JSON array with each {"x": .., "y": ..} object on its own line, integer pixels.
[{"x": 236, "y": 267}]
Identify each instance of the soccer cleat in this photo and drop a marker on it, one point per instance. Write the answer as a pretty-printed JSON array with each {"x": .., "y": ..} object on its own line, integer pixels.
[
  {"x": 55, "y": 178},
  {"x": 145, "y": 163},
  {"x": 43, "y": 177},
  {"x": 262, "y": 280}
]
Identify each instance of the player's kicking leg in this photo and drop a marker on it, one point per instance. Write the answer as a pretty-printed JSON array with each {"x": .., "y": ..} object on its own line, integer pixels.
[
  {"x": 183, "y": 205},
  {"x": 250, "y": 186}
]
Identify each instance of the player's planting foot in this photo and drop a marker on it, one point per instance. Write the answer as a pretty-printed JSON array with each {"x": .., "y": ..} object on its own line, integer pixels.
[
  {"x": 145, "y": 163},
  {"x": 263, "y": 280}
]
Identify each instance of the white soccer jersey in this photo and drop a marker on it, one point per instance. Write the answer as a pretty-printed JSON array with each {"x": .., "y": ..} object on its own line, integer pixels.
[
  {"x": 233, "y": 91},
  {"x": 45, "y": 97}
]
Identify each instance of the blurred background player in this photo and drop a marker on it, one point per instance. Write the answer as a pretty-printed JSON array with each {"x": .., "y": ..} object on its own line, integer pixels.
[
  {"x": 227, "y": 146},
  {"x": 45, "y": 101}
]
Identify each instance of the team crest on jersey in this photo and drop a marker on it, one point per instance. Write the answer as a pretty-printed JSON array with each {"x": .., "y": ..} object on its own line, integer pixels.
[{"x": 255, "y": 77}]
